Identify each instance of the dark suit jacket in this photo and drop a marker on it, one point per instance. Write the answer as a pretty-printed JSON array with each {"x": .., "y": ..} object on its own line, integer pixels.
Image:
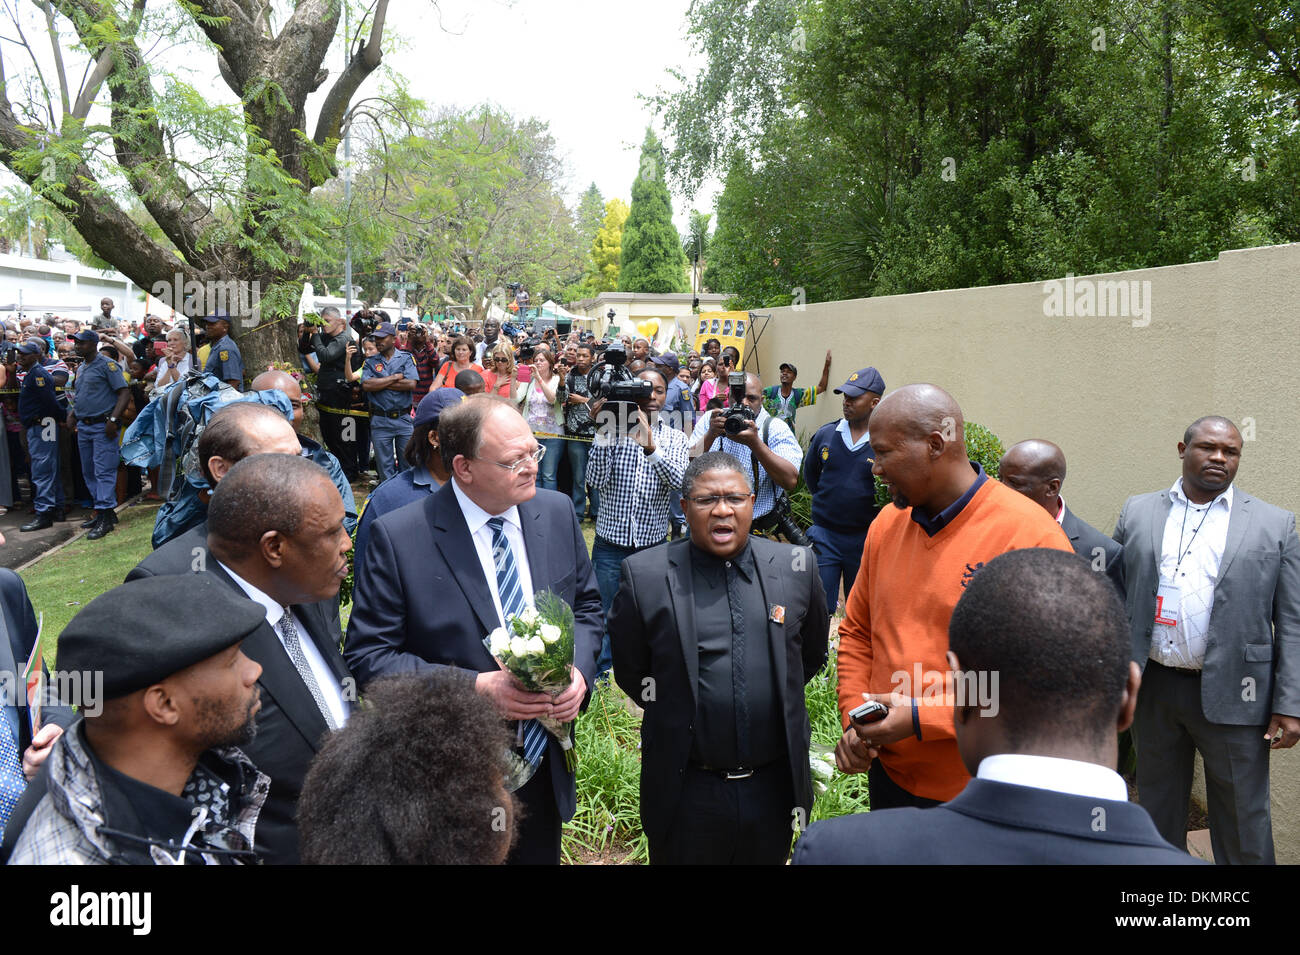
[
  {"x": 1254, "y": 635},
  {"x": 19, "y": 621},
  {"x": 290, "y": 727},
  {"x": 421, "y": 599},
  {"x": 993, "y": 823},
  {"x": 186, "y": 554},
  {"x": 652, "y": 636},
  {"x": 1087, "y": 541}
]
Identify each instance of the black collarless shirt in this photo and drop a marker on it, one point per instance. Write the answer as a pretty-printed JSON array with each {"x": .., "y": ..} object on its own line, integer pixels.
[
  {"x": 715, "y": 741},
  {"x": 153, "y": 815}
]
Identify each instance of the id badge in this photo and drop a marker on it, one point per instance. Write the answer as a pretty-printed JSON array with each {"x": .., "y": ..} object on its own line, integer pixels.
[{"x": 1167, "y": 605}]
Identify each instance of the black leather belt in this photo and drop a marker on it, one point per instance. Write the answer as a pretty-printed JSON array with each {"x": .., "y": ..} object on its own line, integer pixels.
[
  {"x": 1181, "y": 671},
  {"x": 390, "y": 414},
  {"x": 736, "y": 772},
  {"x": 93, "y": 419}
]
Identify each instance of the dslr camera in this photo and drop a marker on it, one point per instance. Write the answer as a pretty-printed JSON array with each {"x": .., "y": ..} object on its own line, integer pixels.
[
  {"x": 738, "y": 414},
  {"x": 364, "y": 322}
]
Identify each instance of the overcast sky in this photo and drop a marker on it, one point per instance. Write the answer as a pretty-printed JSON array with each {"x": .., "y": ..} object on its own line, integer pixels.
[{"x": 577, "y": 64}]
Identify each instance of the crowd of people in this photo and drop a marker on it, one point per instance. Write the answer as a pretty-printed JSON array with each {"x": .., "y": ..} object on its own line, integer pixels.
[{"x": 992, "y": 650}]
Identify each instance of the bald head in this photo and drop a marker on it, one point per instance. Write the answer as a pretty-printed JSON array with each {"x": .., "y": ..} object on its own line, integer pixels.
[
  {"x": 919, "y": 439},
  {"x": 239, "y": 430},
  {"x": 920, "y": 411},
  {"x": 1036, "y": 469},
  {"x": 282, "y": 381}
]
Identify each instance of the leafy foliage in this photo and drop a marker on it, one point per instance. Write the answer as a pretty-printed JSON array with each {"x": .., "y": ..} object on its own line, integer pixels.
[
  {"x": 884, "y": 148},
  {"x": 652, "y": 259}
]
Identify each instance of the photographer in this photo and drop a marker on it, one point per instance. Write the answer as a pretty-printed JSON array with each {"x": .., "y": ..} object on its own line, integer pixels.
[
  {"x": 765, "y": 446},
  {"x": 335, "y": 350},
  {"x": 636, "y": 465},
  {"x": 578, "y": 424}
]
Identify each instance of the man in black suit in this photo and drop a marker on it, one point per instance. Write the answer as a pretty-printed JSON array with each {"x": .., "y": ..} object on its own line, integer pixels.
[
  {"x": 20, "y": 632},
  {"x": 431, "y": 589},
  {"x": 275, "y": 533},
  {"x": 232, "y": 434},
  {"x": 1036, "y": 469},
  {"x": 1042, "y": 675},
  {"x": 715, "y": 637}
]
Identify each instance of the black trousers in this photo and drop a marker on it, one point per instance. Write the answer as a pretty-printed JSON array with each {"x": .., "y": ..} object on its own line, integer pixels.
[
  {"x": 350, "y": 443},
  {"x": 887, "y": 794},
  {"x": 730, "y": 821},
  {"x": 538, "y": 827}
]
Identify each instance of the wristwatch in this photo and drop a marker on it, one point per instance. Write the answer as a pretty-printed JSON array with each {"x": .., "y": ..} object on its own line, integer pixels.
[{"x": 112, "y": 419}]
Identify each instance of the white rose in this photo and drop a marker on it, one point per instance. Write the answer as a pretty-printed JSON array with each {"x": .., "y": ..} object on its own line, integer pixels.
[
  {"x": 498, "y": 641},
  {"x": 535, "y": 645},
  {"x": 550, "y": 632},
  {"x": 518, "y": 647}
]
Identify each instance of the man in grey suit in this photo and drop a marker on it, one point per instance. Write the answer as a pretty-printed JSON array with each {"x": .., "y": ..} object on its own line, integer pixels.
[
  {"x": 1036, "y": 469},
  {"x": 1214, "y": 608}
]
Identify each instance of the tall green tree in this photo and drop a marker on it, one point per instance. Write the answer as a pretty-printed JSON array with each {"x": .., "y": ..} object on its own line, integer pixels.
[
  {"x": 606, "y": 252},
  {"x": 879, "y": 148},
  {"x": 224, "y": 181},
  {"x": 472, "y": 200},
  {"x": 652, "y": 259}
]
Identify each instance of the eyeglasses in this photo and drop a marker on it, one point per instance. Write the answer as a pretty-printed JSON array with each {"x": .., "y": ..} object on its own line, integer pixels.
[
  {"x": 710, "y": 502},
  {"x": 535, "y": 457}
]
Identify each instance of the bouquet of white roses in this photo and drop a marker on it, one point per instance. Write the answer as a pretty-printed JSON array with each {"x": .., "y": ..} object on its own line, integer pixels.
[{"x": 536, "y": 646}]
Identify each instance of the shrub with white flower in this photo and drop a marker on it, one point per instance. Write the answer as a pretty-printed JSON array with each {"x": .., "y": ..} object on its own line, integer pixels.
[{"x": 536, "y": 646}]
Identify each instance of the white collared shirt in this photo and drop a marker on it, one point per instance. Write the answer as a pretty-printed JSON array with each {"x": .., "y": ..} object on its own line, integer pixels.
[
  {"x": 1203, "y": 529},
  {"x": 1071, "y": 776},
  {"x": 476, "y": 519},
  {"x": 325, "y": 678},
  {"x": 846, "y": 433},
  {"x": 1060, "y": 511}
]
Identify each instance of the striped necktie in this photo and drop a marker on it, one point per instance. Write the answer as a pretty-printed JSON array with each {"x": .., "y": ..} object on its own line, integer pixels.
[
  {"x": 511, "y": 593},
  {"x": 12, "y": 781}
]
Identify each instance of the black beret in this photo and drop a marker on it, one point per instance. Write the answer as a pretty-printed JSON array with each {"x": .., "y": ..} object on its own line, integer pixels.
[{"x": 146, "y": 630}]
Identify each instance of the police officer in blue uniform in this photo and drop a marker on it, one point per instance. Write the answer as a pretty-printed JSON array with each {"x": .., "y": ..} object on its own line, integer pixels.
[
  {"x": 39, "y": 411},
  {"x": 837, "y": 470},
  {"x": 99, "y": 398},
  {"x": 389, "y": 378},
  {"x": 224, "y": 358}
]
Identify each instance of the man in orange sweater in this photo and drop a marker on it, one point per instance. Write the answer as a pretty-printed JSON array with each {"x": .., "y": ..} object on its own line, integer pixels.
[{"x": 949, "y": 519}]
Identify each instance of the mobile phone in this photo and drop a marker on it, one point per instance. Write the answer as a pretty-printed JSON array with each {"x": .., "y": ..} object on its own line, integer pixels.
[{"x": 869, "y": 712}]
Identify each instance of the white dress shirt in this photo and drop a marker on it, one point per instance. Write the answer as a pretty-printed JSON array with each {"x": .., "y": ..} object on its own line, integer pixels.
[
  {"x": 1071, "y": 776},
  {"x": 325, "y": 678},
  {"x": 476, "y": 519},
  {"x": 846, "y": 433},
  {"x": 1203, "y": 529}
]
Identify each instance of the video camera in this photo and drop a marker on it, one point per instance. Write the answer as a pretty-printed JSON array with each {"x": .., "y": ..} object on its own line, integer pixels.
[
  {"x": 528, "y": 350},
  {"x": 738, "y": 414}
]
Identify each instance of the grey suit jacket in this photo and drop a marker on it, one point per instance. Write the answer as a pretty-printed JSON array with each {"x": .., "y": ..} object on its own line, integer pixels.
[
  {"x": 1090, "y": 543},
  {"x": 1252, "y": 662}
]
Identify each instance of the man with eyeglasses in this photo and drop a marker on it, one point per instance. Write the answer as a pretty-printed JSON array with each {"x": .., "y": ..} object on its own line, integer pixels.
[
  {"x": 765, "y": 447},
  {"x": 715, "y": 637},
  {"x": 443, "y": 572}
]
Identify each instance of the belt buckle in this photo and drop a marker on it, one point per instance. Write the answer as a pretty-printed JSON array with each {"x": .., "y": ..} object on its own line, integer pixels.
[{"x": 731, "y": 774}]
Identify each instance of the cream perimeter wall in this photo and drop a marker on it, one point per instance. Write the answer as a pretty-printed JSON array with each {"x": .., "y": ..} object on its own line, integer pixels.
[{"x": 1222, "y": 338}]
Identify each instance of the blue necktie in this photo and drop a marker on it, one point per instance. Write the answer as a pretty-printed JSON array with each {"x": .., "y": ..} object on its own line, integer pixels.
[
  {"x": 12, "y": 781},
  {"x": 512, "y": 602}
]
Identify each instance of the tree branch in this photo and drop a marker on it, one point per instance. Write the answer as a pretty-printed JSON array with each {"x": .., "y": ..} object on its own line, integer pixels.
[
  {"x": 329, "y": 124},
  {"x": 58, "y": 55}
]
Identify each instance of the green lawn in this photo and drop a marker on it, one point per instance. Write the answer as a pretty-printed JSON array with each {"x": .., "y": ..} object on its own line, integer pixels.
[{"x": 61, "y": 583}]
